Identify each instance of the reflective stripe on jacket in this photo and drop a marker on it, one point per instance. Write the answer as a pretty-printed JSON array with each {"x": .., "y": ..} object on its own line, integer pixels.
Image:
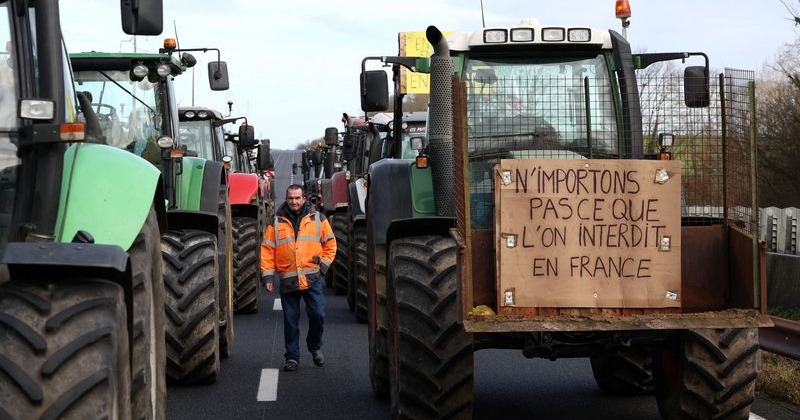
[{"x": 297, "y": 261}]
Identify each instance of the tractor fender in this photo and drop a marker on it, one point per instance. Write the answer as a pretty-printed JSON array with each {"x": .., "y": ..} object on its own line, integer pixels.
[
  {"x": 242, "y": 188},
  {"x": 357, "y": 197},
  {"x": 339, "y": 191},
  {"x": 420, "y": 226},
  {"x": 199, "y": 183},
  {"x": 397, "y": 190},
  {"x": 106, "y": 192}
]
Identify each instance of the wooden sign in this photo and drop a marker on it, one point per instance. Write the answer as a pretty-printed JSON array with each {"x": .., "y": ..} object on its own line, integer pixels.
[{"x": 588, "y": 233}]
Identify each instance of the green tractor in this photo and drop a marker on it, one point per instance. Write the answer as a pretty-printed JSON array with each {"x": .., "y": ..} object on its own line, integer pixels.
[
  {"x": 202, "y": 133},
  {"x": 81, "y": 293},
  {"x": 542, "y": 217},
  {"x": 134, "y": 98}
]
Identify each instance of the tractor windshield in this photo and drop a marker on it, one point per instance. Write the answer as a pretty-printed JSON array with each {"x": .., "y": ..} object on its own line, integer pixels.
[
  {"x": 126, "y": 110},
  {"x": 199, "y": 138},
  {"x": 519, "y": 107},
  {"x": 534, "y": 107}
]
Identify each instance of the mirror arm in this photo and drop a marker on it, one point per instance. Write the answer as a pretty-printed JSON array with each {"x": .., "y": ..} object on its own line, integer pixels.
[{"x": 217, "y": 74}]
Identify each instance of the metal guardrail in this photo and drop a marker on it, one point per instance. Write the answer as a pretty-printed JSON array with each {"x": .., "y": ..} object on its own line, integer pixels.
[{"x": 782, "y": 339}]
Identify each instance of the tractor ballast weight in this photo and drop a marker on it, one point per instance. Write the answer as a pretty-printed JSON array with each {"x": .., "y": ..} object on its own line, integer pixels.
[{"x": 491, "y": 129}]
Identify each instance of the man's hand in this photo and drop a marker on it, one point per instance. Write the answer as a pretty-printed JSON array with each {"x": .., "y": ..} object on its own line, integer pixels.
[{"x": 266, "y": 281}]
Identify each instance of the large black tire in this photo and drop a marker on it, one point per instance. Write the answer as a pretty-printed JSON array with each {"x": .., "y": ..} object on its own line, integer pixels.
[
  {"x": 246, "y": 262},
  {"x": 148, "y": 372},
  {"x": 341, "y": 264},
  {"x": 64, "y": 351},
  {"x": 378, "y": 328},
  {"x": 708, "y": 374},
  {"x": 225, "y": 268},
  {"x": 624, "y": 370},
  {"x": 192, "y": 306},
  {"x": 360, "y": 273},
  {"x": 431, "y": 356}
]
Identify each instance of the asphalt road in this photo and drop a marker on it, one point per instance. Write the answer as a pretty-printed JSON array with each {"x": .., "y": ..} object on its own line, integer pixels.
[
  {"x": 507, "y": 385},
  {"x": 283, "y": 160}
]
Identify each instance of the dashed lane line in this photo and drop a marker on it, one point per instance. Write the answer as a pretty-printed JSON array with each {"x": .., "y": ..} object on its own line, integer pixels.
[
  {"x": 268, "y": 385},
  {"x": 276, "y": 305}
]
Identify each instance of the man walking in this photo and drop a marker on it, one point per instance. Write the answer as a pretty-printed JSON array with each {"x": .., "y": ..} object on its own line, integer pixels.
[{"x": 297, "y": 250}]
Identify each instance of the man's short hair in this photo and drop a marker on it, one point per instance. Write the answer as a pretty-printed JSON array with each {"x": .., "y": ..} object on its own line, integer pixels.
[{"x": 295, "y": 187}]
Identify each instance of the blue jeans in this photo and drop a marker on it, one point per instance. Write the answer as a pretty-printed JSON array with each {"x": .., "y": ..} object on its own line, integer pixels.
[{"x": 315, "y": 309}]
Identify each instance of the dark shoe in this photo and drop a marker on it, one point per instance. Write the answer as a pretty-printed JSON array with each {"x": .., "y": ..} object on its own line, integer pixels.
[
  {"x": 319, "y": 359},
  {"x": 290, "y": 366}
]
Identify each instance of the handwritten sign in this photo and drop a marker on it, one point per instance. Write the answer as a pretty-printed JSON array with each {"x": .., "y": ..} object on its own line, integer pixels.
[
  {"x": 588, "y": 233},
  {"x": 415, "y": 44}
]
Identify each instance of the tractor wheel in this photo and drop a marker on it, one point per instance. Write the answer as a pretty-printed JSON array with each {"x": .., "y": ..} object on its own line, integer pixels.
[
  {"x": 624, "y": 370},
  {"x": 360, "y": 272},
  {"x": 148, "y": 376},
  {"x": 341, "y": 264},
  {"x": 225, "y": 268},
  {"x": 431, "y": 361},
  {"x": 246, "y": 262},
  {"x": 378, "y": 333},
  {"x": 707, "y": 373},
  {"x": 64, "y": 352},
  {"x": 192, "y": 306}
]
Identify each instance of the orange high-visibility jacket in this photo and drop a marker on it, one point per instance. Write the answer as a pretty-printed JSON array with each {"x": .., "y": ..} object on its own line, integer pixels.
[{"x": 297, "y": 260}]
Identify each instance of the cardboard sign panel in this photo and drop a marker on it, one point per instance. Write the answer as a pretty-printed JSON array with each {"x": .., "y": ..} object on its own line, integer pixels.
[{"x": 588, "y": 233}]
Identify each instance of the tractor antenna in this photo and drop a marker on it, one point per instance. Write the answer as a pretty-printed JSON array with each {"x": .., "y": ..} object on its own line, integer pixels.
[
  {"x": 175, "y": 28},
  {"x": 483, "y": 19}
]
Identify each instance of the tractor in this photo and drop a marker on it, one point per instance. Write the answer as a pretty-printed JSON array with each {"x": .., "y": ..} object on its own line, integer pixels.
[
  {"x": 134, "y": 97},
  {"x": 202, "y": 133},
  {"x": 540, "y": 216},
  {"x": 81, "y": 289}
]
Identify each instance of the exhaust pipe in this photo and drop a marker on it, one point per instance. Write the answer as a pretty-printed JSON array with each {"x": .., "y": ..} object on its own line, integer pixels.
[{"x": 440, "y": 124}]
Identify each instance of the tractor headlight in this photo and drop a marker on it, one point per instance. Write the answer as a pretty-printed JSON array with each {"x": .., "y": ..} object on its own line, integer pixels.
[
  {"x": 553, "y": 34},
  {"x": 165, "y": 142},
  {"x": 521, "y": 35},
  {"x": 579, "y": 35},
  {"x": 139, "y": 72},
  {"x": 495, "y": 36},
  {"x": 37, "y": 109},
  {"x": 163, "y": 70}
]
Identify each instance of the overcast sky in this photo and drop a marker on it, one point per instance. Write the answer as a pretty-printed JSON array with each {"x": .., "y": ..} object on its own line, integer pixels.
[{"x": 294, "y": 64}]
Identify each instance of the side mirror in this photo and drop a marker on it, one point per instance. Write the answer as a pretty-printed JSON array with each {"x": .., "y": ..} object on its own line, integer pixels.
[
  {"x": 247, "y": 136},
  {"x": 316, "y": 157},
  {"x": 218, "y": 75},
  {"x": 696, "y": 87},
  {"x": 374, "y": 91},
  {"x": 331, "y": 136},
  {"x": 348, "y": 147},
  {"x": 264, "y": 161},
  {"x": 417, "y": 143},
  {"x": 142, "y": 17}
]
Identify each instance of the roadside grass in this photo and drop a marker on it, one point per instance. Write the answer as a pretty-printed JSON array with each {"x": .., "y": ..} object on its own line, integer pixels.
[{"x": 779, "y": 378}]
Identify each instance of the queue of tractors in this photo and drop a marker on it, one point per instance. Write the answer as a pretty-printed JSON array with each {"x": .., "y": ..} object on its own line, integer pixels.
[
  {"x": 110, "y": 214},
  {"x": 524, "y": 210}
]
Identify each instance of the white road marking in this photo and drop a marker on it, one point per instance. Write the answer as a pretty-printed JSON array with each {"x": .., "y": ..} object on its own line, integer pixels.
[
  {"x": 268, "y": 385},
  {"x": 754, "y": 416},
  {"x": 276, "y": 305}
]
